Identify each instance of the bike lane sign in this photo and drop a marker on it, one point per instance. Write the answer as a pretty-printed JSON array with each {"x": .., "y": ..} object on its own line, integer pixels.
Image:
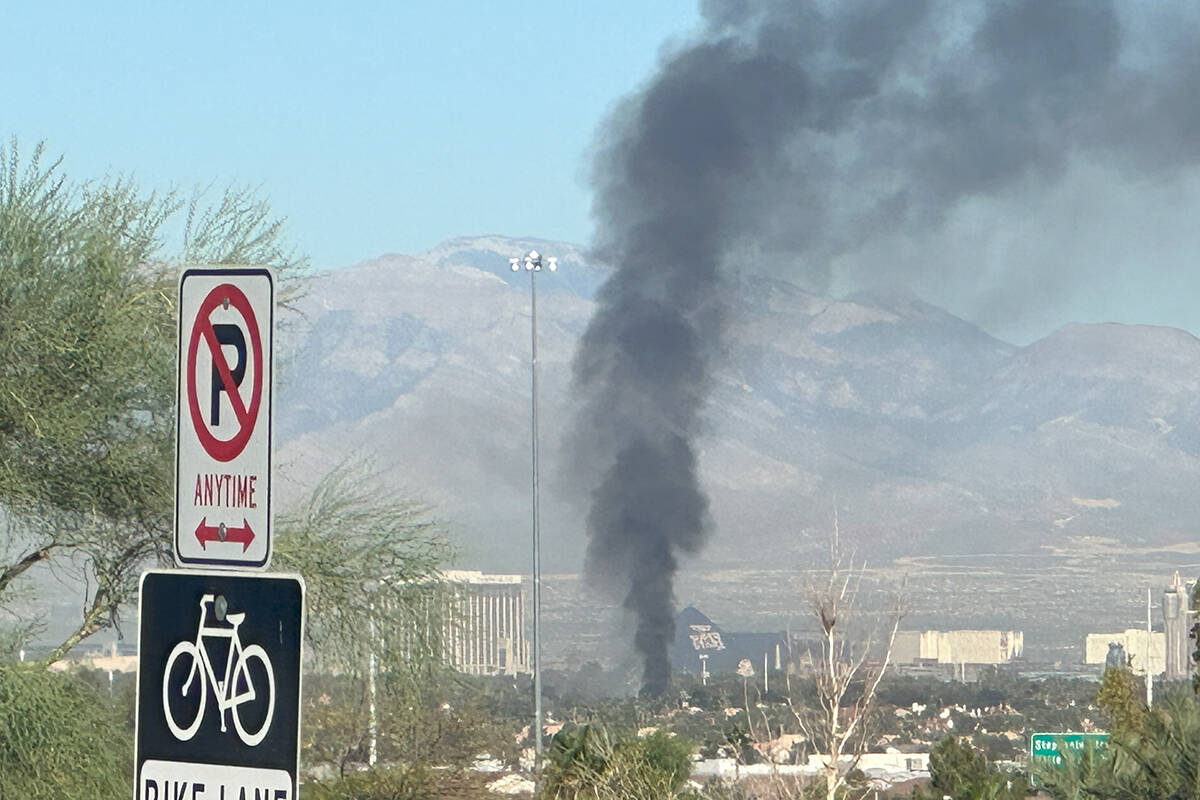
[
  {"x": 223, "y": 429},
  {"x": 218, "y": 688}
]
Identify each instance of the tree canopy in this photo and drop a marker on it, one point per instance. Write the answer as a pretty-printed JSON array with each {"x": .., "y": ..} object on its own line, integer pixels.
[{"x": 87, "y": 366}]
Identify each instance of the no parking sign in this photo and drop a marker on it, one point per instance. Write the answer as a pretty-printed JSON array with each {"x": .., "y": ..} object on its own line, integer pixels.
[{"x": 223, "y": 456}]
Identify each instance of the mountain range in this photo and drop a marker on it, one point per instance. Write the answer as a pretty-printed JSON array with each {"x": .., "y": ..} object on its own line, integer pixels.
[{"x": 922, "y": 432}]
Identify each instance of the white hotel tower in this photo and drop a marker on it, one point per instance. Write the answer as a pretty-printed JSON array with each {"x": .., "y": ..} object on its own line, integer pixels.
[
  {"x": 1176, "y": 625},
  {"x": 485, "y": 627}
]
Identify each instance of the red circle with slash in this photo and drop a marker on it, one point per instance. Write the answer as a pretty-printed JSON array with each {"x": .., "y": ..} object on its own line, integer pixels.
[{"x": 202, "y": 329}]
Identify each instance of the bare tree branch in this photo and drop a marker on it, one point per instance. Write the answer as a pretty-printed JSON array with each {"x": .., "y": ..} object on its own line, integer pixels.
[
  {"x": 840, "y": 730},
  {"x": 15, "y": 569}
]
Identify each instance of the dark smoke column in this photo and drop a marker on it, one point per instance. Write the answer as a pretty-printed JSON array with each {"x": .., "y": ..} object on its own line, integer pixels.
[
  {"x": 667, "y": 182},
  {"x": 827, "y": 140}
]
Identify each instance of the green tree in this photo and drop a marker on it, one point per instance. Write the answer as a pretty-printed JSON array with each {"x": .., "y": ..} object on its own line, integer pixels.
[
  {"x": 376, "y": 604},
  {"x": 60, "y": 739},
  {"x": 1195, "y": 637},
  {"x": 960, "y": 771},
  {"x": 372, "y": 562},
  {"x": 1161, "y": 762},
  {"x": 1158, "y": 762},
  {"x": 87, "y": 340},
  {"x": 1121, "y": 700},
  {"x": 586, "y": 762},
  {"x": 87, "y": 383},
  {"x": 954, "y": 766}
]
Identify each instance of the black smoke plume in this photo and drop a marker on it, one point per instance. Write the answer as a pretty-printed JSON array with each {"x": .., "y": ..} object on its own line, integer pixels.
[{"x": 844, "y": 143}]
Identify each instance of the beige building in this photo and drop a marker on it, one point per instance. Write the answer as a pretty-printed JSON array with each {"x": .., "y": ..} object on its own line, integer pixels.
[
  {"x": 1139, "y": 645},
  {"x": 485, "y": 624},
  {"x": 957, "y": 647},
  {"x": 109, "y": 661}
]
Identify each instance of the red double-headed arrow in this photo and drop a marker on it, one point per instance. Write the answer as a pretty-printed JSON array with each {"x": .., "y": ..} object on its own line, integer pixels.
[{"x": 206, "y": 533}]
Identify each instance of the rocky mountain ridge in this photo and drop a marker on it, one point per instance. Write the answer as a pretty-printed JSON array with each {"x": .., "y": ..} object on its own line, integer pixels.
[{"x": 927, "y": 434}]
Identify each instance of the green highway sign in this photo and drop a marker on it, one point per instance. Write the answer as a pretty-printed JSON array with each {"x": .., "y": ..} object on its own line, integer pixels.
[{"x": 1044, "y": 748}]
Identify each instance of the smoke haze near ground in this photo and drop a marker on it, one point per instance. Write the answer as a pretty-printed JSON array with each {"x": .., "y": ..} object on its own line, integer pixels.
[{"x": 1013, "y": 161}]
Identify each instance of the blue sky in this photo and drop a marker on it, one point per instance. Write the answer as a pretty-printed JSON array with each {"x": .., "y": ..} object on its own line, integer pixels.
[
  {"x": 373, "y": 127},
  {"x": 391, "y": 127}
]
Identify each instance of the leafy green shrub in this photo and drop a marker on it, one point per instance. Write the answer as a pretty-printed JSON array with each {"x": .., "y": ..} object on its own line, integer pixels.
[
  {"x": 960, "y": 771},
  {"x": 586, "y": 762},
  {"x": 60, "y": 739},
  {"x": 376, "y": 784},
  {"x": 400, "y": 783},
  {"x": 1157, "y": 761}
]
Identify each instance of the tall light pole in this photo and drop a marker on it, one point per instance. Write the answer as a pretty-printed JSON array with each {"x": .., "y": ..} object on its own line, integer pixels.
[
  {"x": 533, "y": 264},
  {"x": 369, "y": 587},
  {"x": 1149, "y": 638}
]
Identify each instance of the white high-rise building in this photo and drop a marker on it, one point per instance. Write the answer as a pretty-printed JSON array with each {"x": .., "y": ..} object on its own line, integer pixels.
[
  {"x": 1144, "y": 650},
  {"x": 484, "y": 628},
  {"x": 958, "y": 646},
  {"x": 1175, "y": 626}
]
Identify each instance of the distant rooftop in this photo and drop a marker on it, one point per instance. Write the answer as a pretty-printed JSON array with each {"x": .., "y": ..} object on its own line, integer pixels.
[{"x": 476, "y": 576}]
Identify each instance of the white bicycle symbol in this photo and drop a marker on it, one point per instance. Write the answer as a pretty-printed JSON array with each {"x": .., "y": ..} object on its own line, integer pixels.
[{"x": 237, "y": 669}]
